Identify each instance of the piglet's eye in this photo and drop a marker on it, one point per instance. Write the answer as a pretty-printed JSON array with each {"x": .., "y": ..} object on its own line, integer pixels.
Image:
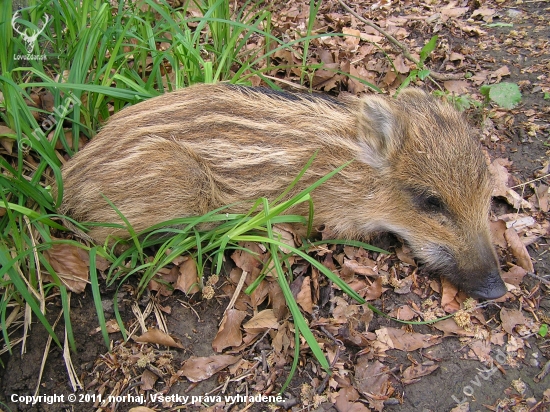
[
  {"x": 434, "y": 202},
  {"x": 429, "y": 202}
]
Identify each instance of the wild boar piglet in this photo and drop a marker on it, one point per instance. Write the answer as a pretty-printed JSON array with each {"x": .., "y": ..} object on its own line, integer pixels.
[{"x": 417, "y": 169}]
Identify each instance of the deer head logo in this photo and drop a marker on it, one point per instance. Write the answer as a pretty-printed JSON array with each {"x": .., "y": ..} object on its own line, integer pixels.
[{"x": 28, "y": 35}]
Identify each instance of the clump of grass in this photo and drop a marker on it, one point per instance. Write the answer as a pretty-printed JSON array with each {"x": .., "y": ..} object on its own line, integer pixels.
[
  {"x": 256, "y": 226},
  {"x": 97, "y": 60}
]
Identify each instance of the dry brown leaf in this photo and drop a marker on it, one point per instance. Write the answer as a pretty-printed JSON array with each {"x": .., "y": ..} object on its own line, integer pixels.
[
  {"x": 462, "y": 407},
  {"x": 497, "y": 338},
  {"x": 389, "y": 78},
  {"x": 159, "y": 337},
  {"x": 371, "y": 378},
  {"x": 456, "y": 86},
  {"x": 278, "y": 301},
  {"x": 449, "y": 302},
  {"x": 198, "y": 369},
  {"x": 358, "y": 268},
  {"x": 250, "y": 258},
  {"x": 400, "y": 64},
  {"x": 510, "y": 318},
  {"x": 543, "y": 197},
  {"x": 503, "y": 71},
  {"x": 405, "y": 312},
  {"x": 260, "y": 293},
  {"x": 188, "y": 279},
  {"x": 351, "y": 37},
  {"x": 368, "y": 49},
  {"x": 514, "y": 276},
  {"x": 354, "y": 85},
  {"x": 450, "y": 328},
  {"x": 47, "y": 100},
  {"x": 286, "y": 235},
  {"x": 261, "y": 322},
  {"x": 405, "y": 255},
  {"x": 451, "y": 11},
  {"x": 346, "y": 401},
  {"x": 229, "y": 333},
  {"x": 304, "y": 296},
  {"x": 413, "y": 372},
  {"x": 148, "y": 380},
  {"x": 472, "y": 30},
  {"x": 519, "y": 221},
  {"x": 281, "y": 341},
  {"x": 403, "y": 286},
  {"x": 68, "y": 263},
  {"x": 486, "y": 13},
  {"x": 7, "y": 142},
  {"x": 111, "y": 326},
  {"x": 501, "y": 177},
  {"x": 497, "y": 233},
  {"x": 482, "y": 350},
  {"x": 374, "y": 291},
  {"x": 519, "y": 250},
  {"x": 406, "y": 341}
]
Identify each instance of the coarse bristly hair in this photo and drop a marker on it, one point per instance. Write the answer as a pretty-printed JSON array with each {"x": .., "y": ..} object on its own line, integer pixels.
[{"x": 417, "y": 170}]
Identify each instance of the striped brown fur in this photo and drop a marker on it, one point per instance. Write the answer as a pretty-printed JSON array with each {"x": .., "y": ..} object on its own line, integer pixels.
[{"x": 417, "y": 170}]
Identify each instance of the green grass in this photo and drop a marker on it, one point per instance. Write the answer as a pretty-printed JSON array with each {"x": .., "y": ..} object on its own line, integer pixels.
[{"x": 99, "y": 60}]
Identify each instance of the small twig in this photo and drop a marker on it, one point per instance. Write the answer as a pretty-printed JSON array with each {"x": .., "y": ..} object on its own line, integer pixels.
[
  {"x": 399, "y": 45},
  {"x": 339, "y": 343},
  {"x": 391, "y": 39},
  {"x": 544, "y": 372},
  {"x": 235, "y": 379},
  {"x": 127, "y": 389},
  {"x": 235, "y": 294},
  {"x": 531, "y": 181},
  {"x": 539, "y": 278},
  {"x": 251, "y": 351}
]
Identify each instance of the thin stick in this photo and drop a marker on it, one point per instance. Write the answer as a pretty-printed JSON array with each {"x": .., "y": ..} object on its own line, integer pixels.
[{"x": 399, "y": 45}]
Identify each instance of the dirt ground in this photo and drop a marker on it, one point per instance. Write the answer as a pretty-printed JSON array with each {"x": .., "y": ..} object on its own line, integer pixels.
[{"x": 458, "y": 378}]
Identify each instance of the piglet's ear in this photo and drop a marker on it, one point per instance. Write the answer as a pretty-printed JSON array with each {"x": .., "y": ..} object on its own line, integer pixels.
[{"x": 380, "y": 129}]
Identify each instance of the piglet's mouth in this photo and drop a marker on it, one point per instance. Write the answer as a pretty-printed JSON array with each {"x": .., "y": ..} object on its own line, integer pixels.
[
  {"x": 484, "y": 285},
  {"x": 492, "y": 288}
]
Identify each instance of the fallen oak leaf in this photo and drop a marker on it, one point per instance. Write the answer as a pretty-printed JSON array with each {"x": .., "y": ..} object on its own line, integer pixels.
[
  {"x": 188, "y": 279},
  {"x": 406, "y": 341},
  {"x": 510, "y": 318},
  {"x": 197, "y": 369},
  {"x": 7, "y": 138},
  {"x": 112, "y": 326},
  {"x": 229, "y": 333},
  {"x": 304, "y": 296},
  {"x": 148, "y": 380},
  {"x": 359, "y": 268},
  {"x": 450, "y": 328},
  {"x": 159, "y": 337},
  {"x": 404, "y": 312},
  {"x": 261, "y": 322},
  {"x": 448, "y": 296},
  {"x": 413, "y": 372},
  {"x": 69, "y": 265},
  {"x": 514, "y": 276},
  {"x": 371, "y": 378},
  {"x": 249, "y": 257},
  {"x": 346, "y": 401},
  {"x": 497, "y": 229},
  {"x": 519, "y": 250}
]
